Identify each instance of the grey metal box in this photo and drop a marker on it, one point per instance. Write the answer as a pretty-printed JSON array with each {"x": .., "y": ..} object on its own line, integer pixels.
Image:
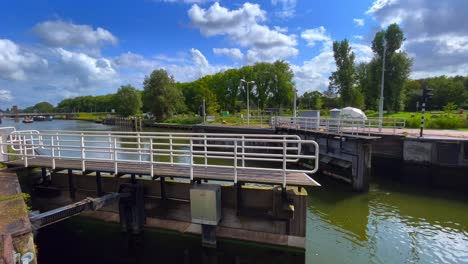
[{"x": 205, "y": 204}]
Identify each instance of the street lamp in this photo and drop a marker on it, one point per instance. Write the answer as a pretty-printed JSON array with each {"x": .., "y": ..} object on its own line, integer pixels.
[
  {"x": 248, "y": 107},
  {"x": 294, "y": 103},
  {"x": 382, "y": 86}
]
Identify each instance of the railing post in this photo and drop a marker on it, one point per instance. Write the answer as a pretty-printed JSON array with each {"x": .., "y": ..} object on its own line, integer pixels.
[
  {"x": 24, "y": 149},
  {"x": 58, "y": 145},
  {"x": 243, "y": 151},
  {"x": 284, "y": 161},
  {"x": 115, "y": 156},
  {"x": 110, "y": 145},
  {"x": 170, "y": 148},
  {"x": 235, "y": 158},
  {"x": 139, "y": 146},
  {"x": 151, "y": 157},
  {"x": 206, "y": 152},
  {"x": 83, "y": 157},
  {"x": 191, "y": 159},
  {"x": 52, "y": 151}
]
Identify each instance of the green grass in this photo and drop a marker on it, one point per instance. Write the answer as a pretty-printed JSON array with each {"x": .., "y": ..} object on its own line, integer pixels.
[{"x": 433, "y": 119}]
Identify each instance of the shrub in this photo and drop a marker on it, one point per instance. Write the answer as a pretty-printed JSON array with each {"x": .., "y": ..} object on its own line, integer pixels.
[{"x": 445, "y": 122}]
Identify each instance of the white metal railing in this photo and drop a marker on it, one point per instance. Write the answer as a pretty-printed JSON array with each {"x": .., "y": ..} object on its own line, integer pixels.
[
  {"x": 340, "y": 125},
  {"x": 235, "y": 151},
  {"x": 255, "y": 119}
]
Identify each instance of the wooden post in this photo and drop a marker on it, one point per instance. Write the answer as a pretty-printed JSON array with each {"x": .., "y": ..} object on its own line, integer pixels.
[
  {"x": 71, "y": 184},
  {"x": 44, "y": 175},
  {"x": 162, "y": 181},
  {"x": 363, "y": 163},
  {"x": 99, "y": 184}
]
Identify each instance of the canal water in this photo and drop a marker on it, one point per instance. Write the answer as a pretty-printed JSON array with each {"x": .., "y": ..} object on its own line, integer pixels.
[{"x": 392, "y": 223}]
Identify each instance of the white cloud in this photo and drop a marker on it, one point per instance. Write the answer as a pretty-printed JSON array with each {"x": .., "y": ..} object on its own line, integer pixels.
[
  {"x": 314, "y": 35},
  {"x": 186, "y": 1},
  {"x": 380, "y": 4},
  {"x": 235, "y": 54},
  {"x": 436, "y": 33},
  {"x": 242, "y": 27},
  {"x": 269, "y": 55},
  {"x": 64, "y": 34},
  {"x": 358, "y": 22},
  {"x": 84, "y": 69},
  {"x": 281, "y": 29},
  {"x": 288, "y": 8},
  {"x": 360, "y": 37},
  {"x": 138, "y": 66},
  {"x": 5, "y": 95},
  {"x": 15, "y": 62}
]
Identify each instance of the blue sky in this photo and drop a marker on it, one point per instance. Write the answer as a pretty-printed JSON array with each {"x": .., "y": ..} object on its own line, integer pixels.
[{"x": 51, "y": 50}]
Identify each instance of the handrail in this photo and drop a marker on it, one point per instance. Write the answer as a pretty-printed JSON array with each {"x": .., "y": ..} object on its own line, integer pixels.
[
  {"x": 339, "y": 125},
  {"x": 233, "y": 151}
]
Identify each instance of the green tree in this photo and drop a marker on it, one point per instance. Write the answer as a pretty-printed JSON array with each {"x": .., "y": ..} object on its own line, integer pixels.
[
  {"x": 42, "y": 107},
  {"x": 311, "y": 100},
  {"x": 127, "y": 100},
  {"x": 397, "y": 66},
  {"x": 344, "y": 78},
  {"x": 160, "y": 95}
]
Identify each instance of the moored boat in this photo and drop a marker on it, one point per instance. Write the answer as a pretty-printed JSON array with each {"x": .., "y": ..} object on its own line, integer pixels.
[{"x": 28, "y": 119}]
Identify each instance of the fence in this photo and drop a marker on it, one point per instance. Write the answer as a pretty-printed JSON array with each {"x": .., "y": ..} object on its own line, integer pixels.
[
  {"x": 340, "y": 125},
  {"x": 249, "y": 152}
]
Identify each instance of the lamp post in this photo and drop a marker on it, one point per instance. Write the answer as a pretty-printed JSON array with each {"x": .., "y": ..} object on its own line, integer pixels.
[
  {"x": 382, "y": 86},
  {"x": 294, "y": 103},
  {"x": 248, "y": 107}
]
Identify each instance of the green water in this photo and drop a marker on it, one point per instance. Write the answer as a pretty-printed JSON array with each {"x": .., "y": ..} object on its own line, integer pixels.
[{"x": 392, "y": 223}]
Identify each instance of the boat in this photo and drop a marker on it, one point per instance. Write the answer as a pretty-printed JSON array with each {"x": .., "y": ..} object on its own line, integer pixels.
[
  {"x": 28, "y": 119},
  {"x": 40, "y": 118}
]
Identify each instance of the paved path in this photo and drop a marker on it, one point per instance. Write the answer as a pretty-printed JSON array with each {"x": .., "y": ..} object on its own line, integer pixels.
[{"x": 429, "y": 132}]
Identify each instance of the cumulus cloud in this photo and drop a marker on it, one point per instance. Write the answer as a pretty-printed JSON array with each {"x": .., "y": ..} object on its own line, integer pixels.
[
  {"x": 360, "y": 37},
  {"x": 59, "y": 33},
  {"x": 288, "y": 8},
  {"x": 314, "y": 35},
  {"x": 183, "y": 71},
  {"x": 15, "y": 62},
  {"x": 185, "y": 1},
  {"x": 242, "y": 26},
  {"x": 436, "y": 33},
  {"x": 235, "y": 54},
  {"x": 84, "y": 69},
  {"x": 358, "y": 22},
  {"x": 5, "y": 95}
]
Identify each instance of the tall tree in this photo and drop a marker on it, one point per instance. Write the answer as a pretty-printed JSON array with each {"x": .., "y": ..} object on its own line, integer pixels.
[
  {"x": 344, "y": 78},
  {"x": 397, "y": 66},
  {"x": 160, "y": 95},
  {"x": 127, "y": 100}
]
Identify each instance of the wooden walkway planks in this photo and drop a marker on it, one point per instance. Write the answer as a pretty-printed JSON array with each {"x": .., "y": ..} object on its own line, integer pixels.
[{"x": 163, "y": 170}]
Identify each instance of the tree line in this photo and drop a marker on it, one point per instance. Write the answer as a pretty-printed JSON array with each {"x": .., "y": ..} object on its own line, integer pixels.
[{"x": 268, "y": 85}]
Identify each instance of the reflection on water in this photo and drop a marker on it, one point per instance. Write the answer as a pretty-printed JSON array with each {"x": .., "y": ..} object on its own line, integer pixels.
[{"x": 391, "y": 223}]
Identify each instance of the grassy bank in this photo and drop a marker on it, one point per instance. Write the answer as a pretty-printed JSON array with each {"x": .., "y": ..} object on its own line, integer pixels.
[
  {"x": 433, "y": 119},
  {"x": 93, "y": 117}
]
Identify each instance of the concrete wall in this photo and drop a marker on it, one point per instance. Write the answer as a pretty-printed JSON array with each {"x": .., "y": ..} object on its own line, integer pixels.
[{"x": 264, "y": 215}]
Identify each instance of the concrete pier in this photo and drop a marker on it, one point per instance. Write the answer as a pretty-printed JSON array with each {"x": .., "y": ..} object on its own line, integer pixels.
[
  {"x": 267, "y": 215},
  {"x": 428, "y": 161},
  {"x": 16, "y": 237}
]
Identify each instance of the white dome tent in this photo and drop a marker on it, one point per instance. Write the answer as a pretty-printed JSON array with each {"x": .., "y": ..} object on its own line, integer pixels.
[{"x": 352, "y": 113}]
